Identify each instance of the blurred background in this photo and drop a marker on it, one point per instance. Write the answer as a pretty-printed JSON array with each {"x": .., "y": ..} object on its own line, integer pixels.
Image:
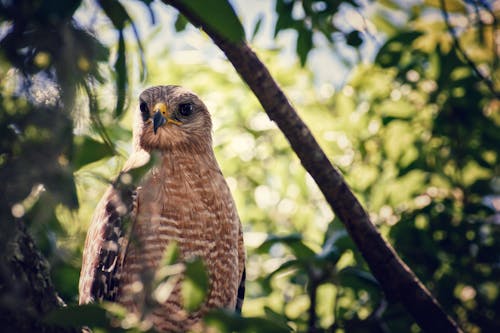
[{"x": 403, "y": 96}]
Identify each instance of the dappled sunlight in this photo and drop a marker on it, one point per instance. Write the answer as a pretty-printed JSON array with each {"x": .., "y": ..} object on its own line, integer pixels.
[{"x": 403, "y": 102}]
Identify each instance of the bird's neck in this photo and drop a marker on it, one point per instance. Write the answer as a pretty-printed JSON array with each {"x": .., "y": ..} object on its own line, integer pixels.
[{"x": 179, "y": 162}]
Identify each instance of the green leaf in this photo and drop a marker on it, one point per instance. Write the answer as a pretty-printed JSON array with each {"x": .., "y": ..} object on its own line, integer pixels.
[
  {"x": 357, "y": 278},
  {"x": 304, "y": 44},
  {"x": 226, "y": 321},
  {"x": 275, "y": 316},
  {"x": 391, "y": 52},
  {"x": 116, "y": 12},
  {"x": 121, "y": 75},
  {"x": 171, "y": 254},
  {"x": 293, "y": 241},
  {"x": 287, "y": 265},
  {"x": 218, "y": 15},
  {"x": 195, "y": 285},
  {"x": 64, "y": 187},
  {"x": 256, "y": 29},
  {"x": 49, "y": 10},
  {"x": 285, "y": 19},
  {"x": 180, "y": 23},
  {"x": 335, "y": 246},
  {"x": 88, "y": 150},
  {"x": 91, "y": 315}
]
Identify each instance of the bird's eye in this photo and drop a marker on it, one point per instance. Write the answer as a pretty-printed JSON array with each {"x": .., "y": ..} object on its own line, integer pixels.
[
  {"x": 144, "y": 107},
  {"x": 144, "y": 111},
  {"x": 186, "y": 109}
]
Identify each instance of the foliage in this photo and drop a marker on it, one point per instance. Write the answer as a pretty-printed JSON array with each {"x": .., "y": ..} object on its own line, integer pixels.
[
  {"x": 415, "y": 134},
  {"x": 308, "y": 17}
]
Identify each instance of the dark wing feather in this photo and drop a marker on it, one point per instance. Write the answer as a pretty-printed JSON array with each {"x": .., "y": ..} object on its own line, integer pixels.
[
  {"x": 107, "y": 237},
  {"x": 105, "y": 246},
  {"x": 241, "y": 269},
  {"x": 241, "y": 293}
]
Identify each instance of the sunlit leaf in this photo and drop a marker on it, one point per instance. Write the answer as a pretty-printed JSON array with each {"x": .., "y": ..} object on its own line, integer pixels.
[
  {"x": 453, "y": 6},
  {"x": 171, "y": 254}
]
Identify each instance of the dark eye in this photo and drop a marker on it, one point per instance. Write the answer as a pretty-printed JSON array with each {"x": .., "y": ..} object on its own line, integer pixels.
[
  {"x": 186, "y": 109},
  {"x": 144, "y": 110},
  {"x": 144, "y": 107}
]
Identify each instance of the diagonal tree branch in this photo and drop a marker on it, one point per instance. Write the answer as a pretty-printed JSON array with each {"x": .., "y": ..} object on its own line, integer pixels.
[{"x": 395, "y": 277}]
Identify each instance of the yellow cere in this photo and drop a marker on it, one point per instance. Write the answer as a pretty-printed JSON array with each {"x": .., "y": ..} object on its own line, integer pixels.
[{"x": 162, "y": 107}]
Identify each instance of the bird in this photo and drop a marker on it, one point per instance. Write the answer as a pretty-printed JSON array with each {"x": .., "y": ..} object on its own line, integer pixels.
[{"x": 183, "y": 199}]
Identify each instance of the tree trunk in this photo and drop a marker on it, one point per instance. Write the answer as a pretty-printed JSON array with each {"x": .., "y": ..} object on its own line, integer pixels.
[{"x": 26, "y": 290}]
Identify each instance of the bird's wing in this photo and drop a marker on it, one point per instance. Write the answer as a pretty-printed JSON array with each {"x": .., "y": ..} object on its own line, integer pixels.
[
  {"x": 107, "y": 238},
  {"x": 103, "y": 249}
]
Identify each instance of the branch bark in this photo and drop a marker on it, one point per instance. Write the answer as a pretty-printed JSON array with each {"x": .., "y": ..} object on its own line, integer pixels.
[{"x": 395, "y": 277}]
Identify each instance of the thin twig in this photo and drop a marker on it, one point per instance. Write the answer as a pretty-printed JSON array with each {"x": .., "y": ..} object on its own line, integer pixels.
[
  {"x": 489, "y": 83},
  {"x": 495, "y": 27},
  {"x": 312, "y": 291}
]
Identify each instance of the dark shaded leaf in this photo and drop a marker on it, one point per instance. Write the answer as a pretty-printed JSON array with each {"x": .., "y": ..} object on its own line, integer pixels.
[
  {"x": 276, "y": 317},
  {"x": 293, "y": 241},
  {"x": 116, "y": 13},
  {"x": 180, "y": 22},
  {"x": 50, "y": 10},
  {"x": 284, "y": 12},
  {"x": 226, "y": 321},
  {"x": 75, "y": 316},
  {"x": 121, "y": 75},
  {"x": 257, "y": 26},
  {"x": 304, "y": 44},
  {"x": 335, "y": 246},
  {"x": 220, "y": 16},
  {"x": 358, "y": 279},
  {"x": 391, "y": 52},
  {"x": 88, "y": 150}
]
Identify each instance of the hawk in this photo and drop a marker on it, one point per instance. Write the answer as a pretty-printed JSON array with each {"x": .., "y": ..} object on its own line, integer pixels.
[{"x": 183, "y": 199}]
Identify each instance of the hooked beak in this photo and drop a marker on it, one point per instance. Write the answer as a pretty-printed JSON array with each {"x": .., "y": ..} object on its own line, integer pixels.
[
  {"x": 161, "y": 117},
  {"x": 158, "y": 120}
]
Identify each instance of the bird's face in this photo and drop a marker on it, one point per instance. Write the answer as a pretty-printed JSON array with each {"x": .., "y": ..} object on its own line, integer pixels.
[{"x": 172, "y": 116}]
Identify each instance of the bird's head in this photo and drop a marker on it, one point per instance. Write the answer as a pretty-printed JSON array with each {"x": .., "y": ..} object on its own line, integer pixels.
[{"x": 172, "y": 116}]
